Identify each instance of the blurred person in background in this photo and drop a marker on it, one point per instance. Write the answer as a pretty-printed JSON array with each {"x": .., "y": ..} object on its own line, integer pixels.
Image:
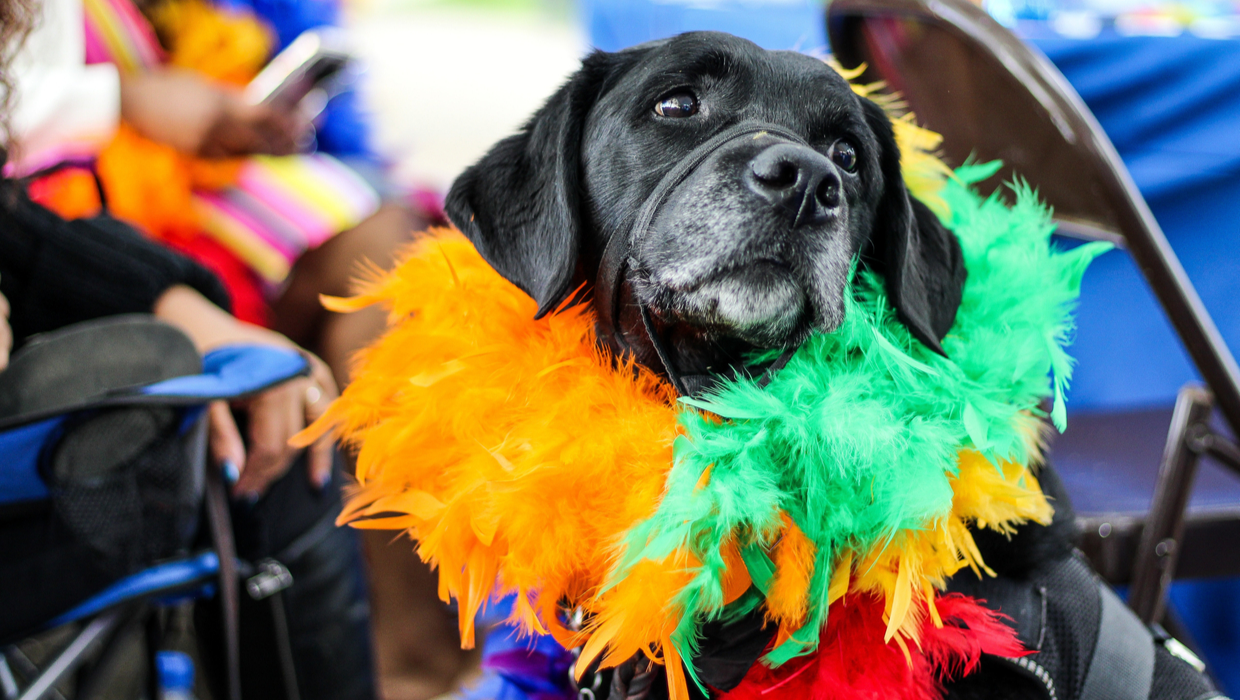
[
  {"x": 139, "y": 113},
  {"x": 56, "y": 272},
  {"x": 161, "y": 136}
]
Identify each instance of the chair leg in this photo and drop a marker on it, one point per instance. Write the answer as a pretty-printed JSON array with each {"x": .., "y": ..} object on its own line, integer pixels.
[
  {"x": 1164, "y": 528},
  {"x": 153, "y": 631},
  {"x": 8, "y": 683},
  {"x": 284, "y": 646},
  {"x": 99, "y": 678},
  {"x": 83, "y": 645},
  {"x": 220, "y": 524},
  {"x": 23, "y": 665}
]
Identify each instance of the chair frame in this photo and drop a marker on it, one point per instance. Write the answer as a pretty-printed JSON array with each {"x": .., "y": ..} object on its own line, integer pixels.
[
  {"x": 1190, "y": 435},
  {"x": 112, "y": 609},
  {"x": 102, "y": 626}
]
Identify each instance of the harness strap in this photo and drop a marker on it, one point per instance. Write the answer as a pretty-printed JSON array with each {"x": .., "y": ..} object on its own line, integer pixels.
[
  {"x": 222, "y": 537},
  {"x": 1122, "y": 666},
  {"x": 615, "y": 262}
]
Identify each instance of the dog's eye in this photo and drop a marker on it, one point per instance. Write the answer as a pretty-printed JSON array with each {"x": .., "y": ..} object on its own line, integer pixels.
[
  {"x": 677, "y": 105},
  {"x": 844, "y": 156}
]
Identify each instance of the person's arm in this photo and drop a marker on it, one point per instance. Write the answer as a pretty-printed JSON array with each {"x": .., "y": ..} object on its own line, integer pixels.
[
  {"x": 55, "y": 273},
  {"x": 61, "y": 106},
  {"x": 178, "y": 108}
]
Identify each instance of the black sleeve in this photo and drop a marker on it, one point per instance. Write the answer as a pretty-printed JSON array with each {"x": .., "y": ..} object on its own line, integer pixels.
[{"x": 56, "y": 272}]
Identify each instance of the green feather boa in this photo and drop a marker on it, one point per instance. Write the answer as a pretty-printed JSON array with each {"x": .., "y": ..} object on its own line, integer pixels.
[{"x": 857, "y": 436}]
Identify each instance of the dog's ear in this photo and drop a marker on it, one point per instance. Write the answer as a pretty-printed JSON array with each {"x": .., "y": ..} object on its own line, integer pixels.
[
  {"x": 920, "y": 259},
  {"x": 521, "y": 205}
]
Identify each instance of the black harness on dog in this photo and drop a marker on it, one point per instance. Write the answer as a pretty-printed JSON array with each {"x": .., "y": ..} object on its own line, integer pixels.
[
  {"x": 1086, "y": 643},
  {"x": 616, "y": 261}
]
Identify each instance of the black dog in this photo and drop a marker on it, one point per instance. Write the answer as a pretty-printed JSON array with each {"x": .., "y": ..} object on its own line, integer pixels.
[
  {"x": 709, "y": 197},
  {"x": 750, "y": 248}
]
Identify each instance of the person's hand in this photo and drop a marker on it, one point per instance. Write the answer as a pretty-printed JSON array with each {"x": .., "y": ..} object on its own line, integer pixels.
[
  {"x": 6, "y": 333},
  {"x": 185, "y": 111},
  {"x": 274, "y": 416}
]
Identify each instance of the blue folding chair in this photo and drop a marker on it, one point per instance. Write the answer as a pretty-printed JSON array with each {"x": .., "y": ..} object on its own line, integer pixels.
[{"x": 97, "y": 368}]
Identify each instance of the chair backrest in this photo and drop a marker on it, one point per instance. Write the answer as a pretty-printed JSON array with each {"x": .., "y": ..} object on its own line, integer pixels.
[
  {"x": 991, "y": 96},
  {"x": 122, "y": 368}
]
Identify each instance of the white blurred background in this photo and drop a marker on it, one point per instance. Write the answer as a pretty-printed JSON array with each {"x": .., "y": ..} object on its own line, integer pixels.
[{"x": 446, "y": 79}]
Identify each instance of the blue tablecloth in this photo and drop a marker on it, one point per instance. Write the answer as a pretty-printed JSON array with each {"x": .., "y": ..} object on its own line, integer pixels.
[
  {"x": 775, "y": 24},
  {"x": 1172, "y": 108}
]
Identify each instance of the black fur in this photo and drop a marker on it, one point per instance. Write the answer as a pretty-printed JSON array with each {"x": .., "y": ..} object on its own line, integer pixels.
[
  {"x": 921, "y": 262},
  {"x": 725, "y": 268},
  {"x": 521, "y": 205}
]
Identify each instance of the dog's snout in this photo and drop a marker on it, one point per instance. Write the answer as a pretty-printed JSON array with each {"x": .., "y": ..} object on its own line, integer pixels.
[{"x": 798, "y": 180}]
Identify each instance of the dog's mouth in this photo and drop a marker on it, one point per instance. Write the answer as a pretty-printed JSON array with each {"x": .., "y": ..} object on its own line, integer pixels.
[
  {"x": 761, "y": 302},
  {"x": 757, "y": 272}
]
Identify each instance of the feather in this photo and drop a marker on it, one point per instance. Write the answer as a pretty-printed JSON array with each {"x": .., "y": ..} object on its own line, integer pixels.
[
  {"x": 523, "y": 457},
  {"x": 855, "y": 661},
  {"x": 794, "y": 558}
]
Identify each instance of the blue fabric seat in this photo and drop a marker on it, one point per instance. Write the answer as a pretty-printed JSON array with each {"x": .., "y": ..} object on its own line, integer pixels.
[
  {"x": 26, "y": 440},
  {"x": 228, "y": 373}
]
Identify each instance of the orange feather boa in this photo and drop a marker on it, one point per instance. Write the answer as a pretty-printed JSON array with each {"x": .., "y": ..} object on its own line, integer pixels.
[{"x": 518, "y": 455}]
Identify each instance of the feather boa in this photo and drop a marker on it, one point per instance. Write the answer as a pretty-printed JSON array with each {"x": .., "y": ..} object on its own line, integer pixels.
[{"x": 521, "y": 456}]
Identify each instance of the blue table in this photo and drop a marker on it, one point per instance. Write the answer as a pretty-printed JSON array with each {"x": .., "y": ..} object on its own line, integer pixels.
[
  {"x": 1172, "y": 108},
  {"x": 774, "y": 24}
]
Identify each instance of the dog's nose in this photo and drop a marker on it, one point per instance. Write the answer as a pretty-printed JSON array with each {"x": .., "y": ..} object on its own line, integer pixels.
[{"x": 798, "y": 180}]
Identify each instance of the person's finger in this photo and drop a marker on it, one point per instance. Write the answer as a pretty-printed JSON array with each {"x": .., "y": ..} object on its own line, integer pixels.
[
  {"x": 232, "y": 136},
  {"x": 6, "y": 343},
  {"x": 266, "y": 129},
  {"x": 6, "y": 333},
  {"x": 281, "y": 132},
  {"x": 322, "y": 390},
  {"x": 224, "y": 441},
  {"x": 319, "y": 461},
  {"x": 243, "y": 129},
  {"x": 319, "y": 395},
  {"x": 274, "y": 418}
]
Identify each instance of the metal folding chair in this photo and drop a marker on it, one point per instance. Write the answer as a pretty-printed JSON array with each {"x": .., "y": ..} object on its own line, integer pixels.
[{"x": 993, "y": 97}]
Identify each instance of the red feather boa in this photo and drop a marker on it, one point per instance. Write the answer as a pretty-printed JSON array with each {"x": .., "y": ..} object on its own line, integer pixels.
[{"x": 854, "y": 662}]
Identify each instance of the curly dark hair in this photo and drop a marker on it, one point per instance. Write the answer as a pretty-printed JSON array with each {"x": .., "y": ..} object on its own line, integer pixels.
[{"x": 16, "y": 19}]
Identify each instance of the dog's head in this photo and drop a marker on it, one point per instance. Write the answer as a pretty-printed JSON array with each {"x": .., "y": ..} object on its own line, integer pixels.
[{"x": 780, "y": 176}]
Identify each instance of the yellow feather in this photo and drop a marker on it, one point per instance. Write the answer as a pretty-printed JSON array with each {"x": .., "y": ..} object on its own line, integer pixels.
[
  {"x": 901, "y": 601},
  {"x": 840, "y": 577}
]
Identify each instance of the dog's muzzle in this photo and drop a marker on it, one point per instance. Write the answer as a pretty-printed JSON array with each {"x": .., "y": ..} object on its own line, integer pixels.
[{"x": 617, "y": 260}]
